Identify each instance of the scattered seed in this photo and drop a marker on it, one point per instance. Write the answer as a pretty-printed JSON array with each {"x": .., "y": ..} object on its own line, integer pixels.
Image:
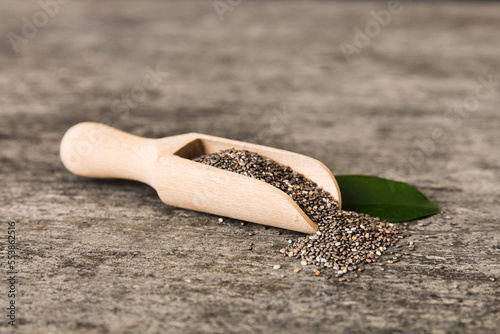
[
  {"x": 276, "y": 267},
  {"x": 296, "y": 270},
  {"x": 317, "y": 273},
  {"x": 345, "y": 239},
  {"x": 221, "y": 220}
]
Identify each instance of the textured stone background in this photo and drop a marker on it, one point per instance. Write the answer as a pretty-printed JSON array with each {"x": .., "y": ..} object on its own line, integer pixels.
[{"x": 106, "y": 256}]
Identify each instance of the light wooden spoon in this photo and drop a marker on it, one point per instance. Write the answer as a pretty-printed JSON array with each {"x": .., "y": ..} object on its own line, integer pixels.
[{"x": 97, "y": 150}]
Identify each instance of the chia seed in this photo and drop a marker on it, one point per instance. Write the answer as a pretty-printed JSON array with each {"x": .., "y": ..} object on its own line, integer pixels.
[{"x": 345, "y": 239}]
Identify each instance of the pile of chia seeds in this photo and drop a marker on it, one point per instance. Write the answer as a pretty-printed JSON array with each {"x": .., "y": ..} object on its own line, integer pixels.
[{"x": 345, "y": 239}]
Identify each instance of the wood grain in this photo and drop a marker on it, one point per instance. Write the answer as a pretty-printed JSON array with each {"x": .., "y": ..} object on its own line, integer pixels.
[{"x": 107, "y": 256}]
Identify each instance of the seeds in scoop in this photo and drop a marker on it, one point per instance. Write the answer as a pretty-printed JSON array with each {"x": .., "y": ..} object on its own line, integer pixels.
[{"x": 345, "y": 239}]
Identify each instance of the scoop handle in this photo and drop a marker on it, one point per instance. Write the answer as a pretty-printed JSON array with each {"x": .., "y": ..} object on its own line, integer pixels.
[{"x": 97, "y": 150}]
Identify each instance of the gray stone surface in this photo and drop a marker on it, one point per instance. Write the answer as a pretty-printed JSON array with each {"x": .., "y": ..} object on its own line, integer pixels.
[{"x": 106, "y": 256}]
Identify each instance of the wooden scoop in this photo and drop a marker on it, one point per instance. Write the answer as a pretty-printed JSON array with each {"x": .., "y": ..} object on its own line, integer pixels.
[{"x": 97, "y": 150}]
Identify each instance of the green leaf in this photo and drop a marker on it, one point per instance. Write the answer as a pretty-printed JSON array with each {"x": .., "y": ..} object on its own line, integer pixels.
[{"x": 389, "y": 200}]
